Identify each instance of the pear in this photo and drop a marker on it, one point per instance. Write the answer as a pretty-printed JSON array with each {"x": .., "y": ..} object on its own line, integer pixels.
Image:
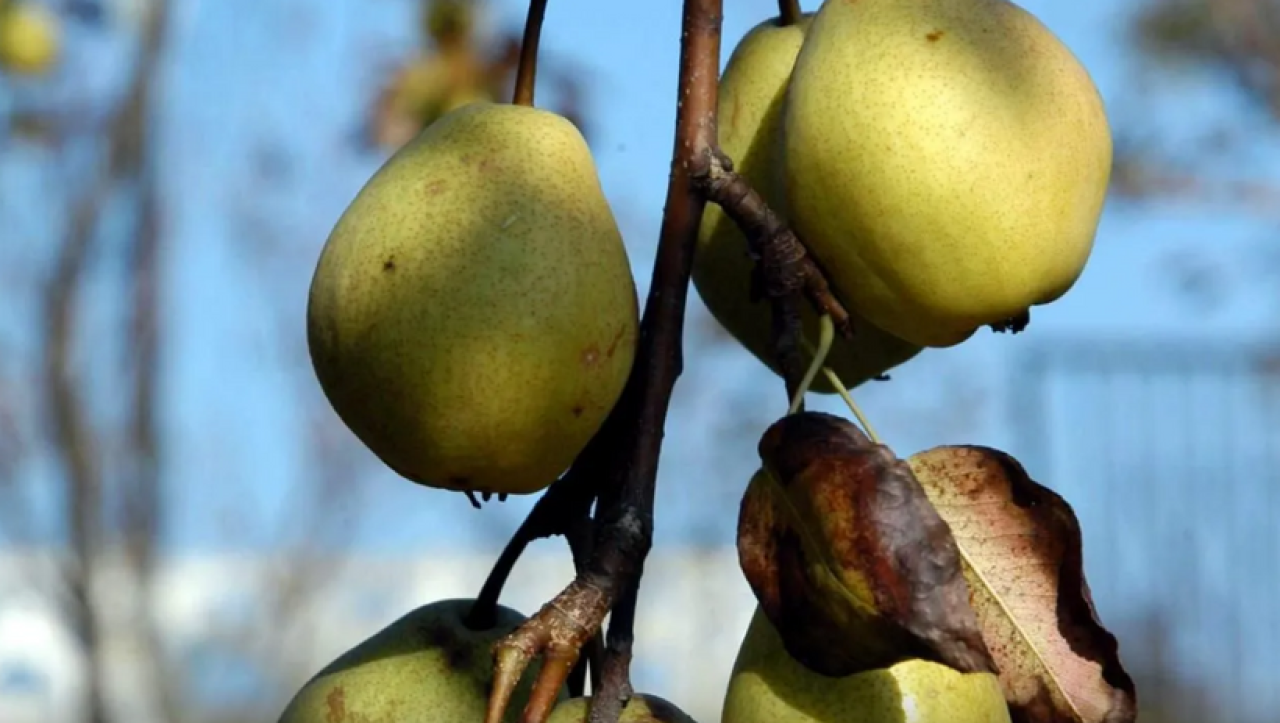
[
  {"x": 427, "y": 666},
  {"x": 30, "y": 38},
  {"x": 769, "y": 686},
  {"x": 473, "y": 316},
  {"x": 945, "y": 160},
  {"x": 752, "y": 89},
  {"x": 641, "y": 708}
]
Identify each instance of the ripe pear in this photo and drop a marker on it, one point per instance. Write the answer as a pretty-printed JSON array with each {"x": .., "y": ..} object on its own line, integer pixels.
[
  {"x": 769, "y": 686},
  {"x": 426, "y": 666},
  {"x": 945, "y": 160},
  {"x": 30, "y": 38},
  {"x": 752, "y": 89},
  {"x": 641, "y": 708},
  {"x": 473, "y": 317}
]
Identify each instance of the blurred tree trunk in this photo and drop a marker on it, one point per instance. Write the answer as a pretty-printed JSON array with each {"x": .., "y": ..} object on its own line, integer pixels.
[{"x": 90, "y": 506}]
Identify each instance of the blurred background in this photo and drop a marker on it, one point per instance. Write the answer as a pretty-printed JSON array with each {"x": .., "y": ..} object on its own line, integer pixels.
[{"x": 187, "y": 533}]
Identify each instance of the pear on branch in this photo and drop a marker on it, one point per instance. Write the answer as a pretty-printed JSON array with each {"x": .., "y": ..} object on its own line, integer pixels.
[
  {"x": 946, "y": 161},
  {"x": 473, "y": 316},
  {"x": 751, "y": 94}
]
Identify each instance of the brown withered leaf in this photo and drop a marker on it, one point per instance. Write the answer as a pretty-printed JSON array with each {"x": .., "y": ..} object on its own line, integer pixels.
[
  {"x": 849, "y": 560},
  {"x": 1023, "y": 559}
]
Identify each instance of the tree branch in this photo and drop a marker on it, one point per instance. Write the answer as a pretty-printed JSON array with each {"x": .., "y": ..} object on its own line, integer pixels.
[
  {"x": 621, "y": 461},
  {"x": 784, "y": 268}
]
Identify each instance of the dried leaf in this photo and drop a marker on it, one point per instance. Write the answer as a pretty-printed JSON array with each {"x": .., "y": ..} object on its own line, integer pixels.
[
  {"x": 850, "y": 562},
  {"x": 1023, "y": 559}
]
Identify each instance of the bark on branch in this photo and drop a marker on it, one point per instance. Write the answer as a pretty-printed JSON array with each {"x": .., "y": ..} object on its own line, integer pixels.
[{"x": 784, "y": 269}]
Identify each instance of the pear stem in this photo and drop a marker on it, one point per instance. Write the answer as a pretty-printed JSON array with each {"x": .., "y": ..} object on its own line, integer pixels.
[
  {"x": 826, "y": 335},
  {"x": 834, "y": 380},
  {"x": 527, "y": 71},
  {"x": 788, "y": 12}
]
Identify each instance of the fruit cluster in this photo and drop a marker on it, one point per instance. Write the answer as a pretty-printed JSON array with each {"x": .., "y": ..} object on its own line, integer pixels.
[
  {"x": 473, "y": 319},
  {"x": 945, "y": 162}
]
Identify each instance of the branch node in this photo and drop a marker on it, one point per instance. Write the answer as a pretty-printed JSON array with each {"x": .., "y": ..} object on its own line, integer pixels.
[{"x": 784, "y": 270}]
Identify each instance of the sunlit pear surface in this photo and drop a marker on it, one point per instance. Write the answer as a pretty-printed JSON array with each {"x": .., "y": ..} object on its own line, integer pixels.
[
  {"x": 473, "y": 316},
  {"x": 945, "y": 160}
]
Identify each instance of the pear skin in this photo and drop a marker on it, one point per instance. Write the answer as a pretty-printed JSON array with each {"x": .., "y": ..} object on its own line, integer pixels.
[
  {"x": 427, "y": 666},
  {"x": 946, "y": 161},
  {"x": 641, "y": 708},
  {"x": 769, "y": 686},
  {"x": 752, "y": 90},
  {"x": 473, "y": 316}
]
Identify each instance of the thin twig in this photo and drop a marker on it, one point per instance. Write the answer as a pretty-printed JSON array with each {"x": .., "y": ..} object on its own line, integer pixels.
[
  {"x": 527, "y": 71},
  {"x": 567, "y": 501}
]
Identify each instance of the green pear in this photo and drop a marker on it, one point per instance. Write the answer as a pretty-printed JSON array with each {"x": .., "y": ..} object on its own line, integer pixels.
[
  {"x": 752, "y": 90},
  {"x": 769, "y": 686},
  {"x": 641, "y": 708},
  {"x": 473, "y": 316},
  {"x": 428, "y": 666},
  {"x": 945, "y": 160}
]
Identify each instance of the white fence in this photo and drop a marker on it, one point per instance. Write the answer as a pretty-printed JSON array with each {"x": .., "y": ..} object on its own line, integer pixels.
[{"x": 694, "y": 609}]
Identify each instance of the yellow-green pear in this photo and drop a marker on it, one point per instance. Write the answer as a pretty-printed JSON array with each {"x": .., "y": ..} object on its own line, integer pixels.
[
  {"x": 945, "y": 160},
  {"x": 752, "y": 89},
  {"x": 30, "y": 38},
  {"x": 769, "y": 686},
  {"x": 641, "y": 708},
  {"x": 427, "y": 667},
  {"x": 473, "y": 316}
]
